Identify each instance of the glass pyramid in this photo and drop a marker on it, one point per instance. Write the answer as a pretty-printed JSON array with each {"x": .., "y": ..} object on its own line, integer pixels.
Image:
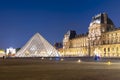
[{"x": 37, "y": 46}]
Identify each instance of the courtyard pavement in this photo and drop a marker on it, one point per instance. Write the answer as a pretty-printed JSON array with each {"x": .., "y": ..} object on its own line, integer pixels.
[{"x": 58, "y": 69}]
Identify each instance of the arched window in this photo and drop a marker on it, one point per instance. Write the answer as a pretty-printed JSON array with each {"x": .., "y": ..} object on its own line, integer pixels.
[
  {"x": 103, "y": 42},
  {"x": 104, "y": 50}
]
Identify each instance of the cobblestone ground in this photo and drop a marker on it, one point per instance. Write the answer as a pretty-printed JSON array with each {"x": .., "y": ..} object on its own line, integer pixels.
[{"x": 41, "y": 69}]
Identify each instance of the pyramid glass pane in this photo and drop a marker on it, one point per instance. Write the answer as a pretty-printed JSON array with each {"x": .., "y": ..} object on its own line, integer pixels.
[{"x": 37, "y": 46}]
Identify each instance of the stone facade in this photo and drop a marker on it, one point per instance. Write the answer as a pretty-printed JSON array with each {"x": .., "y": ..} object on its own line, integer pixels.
[{"x": 102, "y": 39}]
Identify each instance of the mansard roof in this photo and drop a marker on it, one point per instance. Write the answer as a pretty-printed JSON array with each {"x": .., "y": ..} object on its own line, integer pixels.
[
  {"x": 102, "y": 18},
  {"x": 71, "y": 34}
]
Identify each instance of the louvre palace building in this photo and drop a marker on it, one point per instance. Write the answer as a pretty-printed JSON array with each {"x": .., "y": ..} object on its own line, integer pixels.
[{"x": 102, "y": 39}]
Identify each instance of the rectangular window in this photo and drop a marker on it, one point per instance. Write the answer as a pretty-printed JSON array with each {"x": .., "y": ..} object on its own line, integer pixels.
[
  {"x": 104, "y": 49},
  {"x": 108, "y": 49}
]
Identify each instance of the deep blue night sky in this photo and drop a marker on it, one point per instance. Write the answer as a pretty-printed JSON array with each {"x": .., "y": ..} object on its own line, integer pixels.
[{"x": 21, "y": 19}]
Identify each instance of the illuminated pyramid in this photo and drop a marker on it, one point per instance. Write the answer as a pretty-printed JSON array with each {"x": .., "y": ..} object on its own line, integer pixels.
[{"x": 37, "y": 46}]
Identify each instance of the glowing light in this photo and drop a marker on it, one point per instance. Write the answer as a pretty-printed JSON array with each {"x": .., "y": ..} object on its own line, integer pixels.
[
  {"x": 42, "y": 58},
  {"x": 2, "y": 52},
  {"x": 62, "y": 59},
  {"x": 79, "y": 60},
  {"x": 109, "y": 63}
]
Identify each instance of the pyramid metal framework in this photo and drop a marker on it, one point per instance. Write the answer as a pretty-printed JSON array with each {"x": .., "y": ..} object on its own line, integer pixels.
[{"x": 37, "y": 46}]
